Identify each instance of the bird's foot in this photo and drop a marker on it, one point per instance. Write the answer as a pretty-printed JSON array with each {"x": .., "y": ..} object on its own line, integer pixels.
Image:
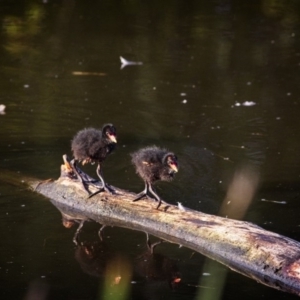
[
  {"x": 140, "y": 196},
  {"x": 107, "y": 188},
  {"x": 95, "y": 193}
]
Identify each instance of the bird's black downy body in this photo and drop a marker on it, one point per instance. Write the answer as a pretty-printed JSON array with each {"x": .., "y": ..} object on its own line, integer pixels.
[
  {"x": 154, "y": 164},
  {"x": 91, "y": 145}
]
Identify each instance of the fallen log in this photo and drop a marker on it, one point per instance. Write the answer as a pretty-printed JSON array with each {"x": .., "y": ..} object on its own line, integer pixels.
[{"x": 267, "y": 257}]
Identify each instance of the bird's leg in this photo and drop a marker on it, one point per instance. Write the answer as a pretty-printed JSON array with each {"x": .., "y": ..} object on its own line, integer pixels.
[
  {"x": 74, "y": 167},
  {"x": 142, "y": 194},
  {"x": 148, "y": 191},
  {"x": 100, "y": 232},
  {"x": 105, "y": 187},
  {"x": 151, "y": 246},
  {"x": 155, "y": 196},
  {"x": 75, "y": 238}
]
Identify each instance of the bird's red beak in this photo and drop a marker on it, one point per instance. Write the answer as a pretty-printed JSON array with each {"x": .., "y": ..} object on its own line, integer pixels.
[
  {"x": 174, "y": 167},
  {"x": 112, "y": 137}
]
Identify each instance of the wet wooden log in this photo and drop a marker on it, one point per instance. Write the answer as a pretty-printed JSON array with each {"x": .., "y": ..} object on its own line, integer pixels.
[{"x": 267, "y": 257}]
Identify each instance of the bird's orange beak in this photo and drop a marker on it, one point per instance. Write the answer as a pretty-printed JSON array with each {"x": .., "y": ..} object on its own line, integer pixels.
[{"x": 113, "y": 138}]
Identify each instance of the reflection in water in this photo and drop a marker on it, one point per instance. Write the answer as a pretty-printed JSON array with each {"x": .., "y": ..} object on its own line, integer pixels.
[
  {"x": 97, "y": 259},
  {"x": 248, "y": 157},
  {"x": 37, "y": 290},
  {"x": 240, "y": 193},
  {"x": 245, "y": 179},
  {"x": 156, "y": 267},
  {"x": 21, "y": 31},
  {"x": 149, "y": 269}
]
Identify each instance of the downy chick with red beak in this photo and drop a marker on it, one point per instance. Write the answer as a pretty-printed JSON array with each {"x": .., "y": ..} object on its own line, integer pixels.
[
  {"x": 153, "y": 164},
  {"x": 91, "y": 145}
]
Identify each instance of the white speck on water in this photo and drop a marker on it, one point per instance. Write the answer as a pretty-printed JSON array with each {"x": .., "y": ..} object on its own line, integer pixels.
[
  {"x": 23, "y": 205},
  {"x": 26, "y": 86},
  {"x": 278, "y": 118},
  {"x": 249, "y": 83},
  {"x": 184, "y": 101},
  {"x": 133, "y": 282},
  {"x": 272, "y": 42},
  {"x": 245, "y": 103},
  {"x": 288, "y": 94},
  {"x": 248, "y": 103},
  {"x": 22, "y": 142},
  {"x": 182, "y": 94},
  {"x": 220, "y": 181},
  {"x": 154, "y": 88},
  {"x": 43, "y": 276},
  {"x": 293, "y": 34},
  {"x": 206, "y": 274}
]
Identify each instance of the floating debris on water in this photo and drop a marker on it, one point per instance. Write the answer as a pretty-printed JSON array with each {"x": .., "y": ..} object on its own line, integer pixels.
[
  {"x": 125, "y": 62},
  {"x": 79, "y": 73},
  {"x": 246, "y": 103},
  {"x": 184, "y": 101},
  {"x": 274, "y": 201}
]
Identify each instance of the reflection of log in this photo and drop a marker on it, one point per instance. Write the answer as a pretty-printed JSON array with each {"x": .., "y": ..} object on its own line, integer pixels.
[{"x": 267, "y": 257}]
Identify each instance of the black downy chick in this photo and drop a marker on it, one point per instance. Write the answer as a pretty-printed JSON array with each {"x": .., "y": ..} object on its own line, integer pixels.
[
  {"x": 91, "y": 145},
  {"x": 154, "y": 164}
]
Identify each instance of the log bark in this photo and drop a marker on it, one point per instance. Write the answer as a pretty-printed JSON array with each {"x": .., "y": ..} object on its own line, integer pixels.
[{"x": 267, "y": 257}]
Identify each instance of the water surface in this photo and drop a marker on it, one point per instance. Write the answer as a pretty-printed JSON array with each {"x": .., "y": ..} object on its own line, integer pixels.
[{"x": 218, "y": 86}]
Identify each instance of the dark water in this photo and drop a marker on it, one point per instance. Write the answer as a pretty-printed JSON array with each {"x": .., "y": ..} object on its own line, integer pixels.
[{"x": 219, "y": 86}]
